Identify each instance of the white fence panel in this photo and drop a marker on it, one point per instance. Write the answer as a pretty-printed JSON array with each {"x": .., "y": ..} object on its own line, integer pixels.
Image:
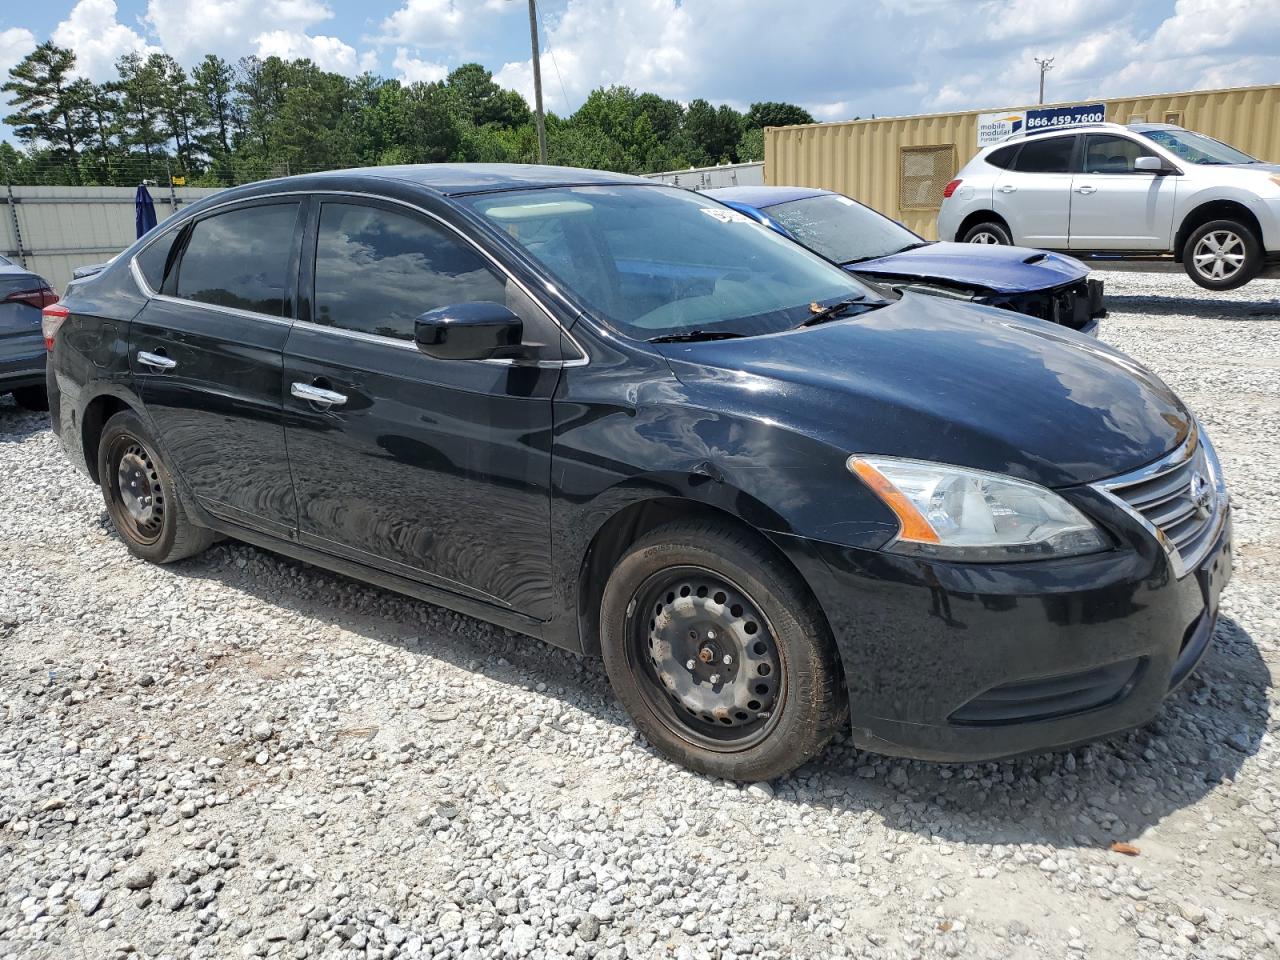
[
  {"x": 53, "y": 230},
  {"x": 710, "y": 178}
]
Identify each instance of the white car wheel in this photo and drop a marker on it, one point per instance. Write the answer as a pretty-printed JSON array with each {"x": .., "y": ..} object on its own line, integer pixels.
[{"x": 1222, "y": 255}]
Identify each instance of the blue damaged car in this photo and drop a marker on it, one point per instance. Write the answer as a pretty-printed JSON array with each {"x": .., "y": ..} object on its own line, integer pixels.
[{"x": 1034, "y": 282}]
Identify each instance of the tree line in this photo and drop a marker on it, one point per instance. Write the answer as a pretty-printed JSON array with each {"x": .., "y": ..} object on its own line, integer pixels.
[{"x": 222, "y": 123}]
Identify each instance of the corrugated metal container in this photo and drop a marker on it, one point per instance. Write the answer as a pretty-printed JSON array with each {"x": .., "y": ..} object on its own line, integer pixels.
[
  {"x": 899, "y": 164},
  {"x": 62, "y": 228}
]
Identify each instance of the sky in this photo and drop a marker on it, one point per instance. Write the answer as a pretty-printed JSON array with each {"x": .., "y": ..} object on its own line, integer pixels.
[{"x": 838, "y": 58}]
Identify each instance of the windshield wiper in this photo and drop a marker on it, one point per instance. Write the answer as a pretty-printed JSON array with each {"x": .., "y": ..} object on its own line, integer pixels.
[
  {"x": 822, "y": 314},
  {"x": 915, "y": 246},
  {"x": 696, "y": 336}
]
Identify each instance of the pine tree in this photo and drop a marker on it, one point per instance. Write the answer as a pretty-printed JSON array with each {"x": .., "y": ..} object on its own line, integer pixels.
[{"x": 49, "y": 105}]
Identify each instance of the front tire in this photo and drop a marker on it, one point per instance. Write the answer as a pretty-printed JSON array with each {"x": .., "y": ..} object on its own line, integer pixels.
[
  {"x": 719, "y": 653},
  {"x": 1222, "y": 255},
  {"x": 989, "y": 231},
  {"x": 142, "y": 499}
]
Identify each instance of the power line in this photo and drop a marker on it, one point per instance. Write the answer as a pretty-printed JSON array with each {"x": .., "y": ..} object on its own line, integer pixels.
[{"x": 551, "y": 51}]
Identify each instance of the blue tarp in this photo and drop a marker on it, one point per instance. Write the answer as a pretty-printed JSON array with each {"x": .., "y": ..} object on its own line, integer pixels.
[{"x": 144, "y": 210}]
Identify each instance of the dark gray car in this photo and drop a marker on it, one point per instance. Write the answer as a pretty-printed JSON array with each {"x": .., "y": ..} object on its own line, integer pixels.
[{"x": 23, "y": 295}]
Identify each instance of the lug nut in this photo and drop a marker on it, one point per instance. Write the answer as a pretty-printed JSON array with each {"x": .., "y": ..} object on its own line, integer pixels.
[
  {"x": 714, "y": 678},
  {"x": 689, "y": 665},
  {"x": 727, "y": 660},
  {"x": 711, "y": 634}
]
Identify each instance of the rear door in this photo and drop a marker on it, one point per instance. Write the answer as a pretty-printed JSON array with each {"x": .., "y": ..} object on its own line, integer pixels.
[
  {"x": 1034, "y": 195},
  {"x": 207, "y": 359},
  {"x": 438, "y": 470},
  {"x": 1114, "y": 206}
]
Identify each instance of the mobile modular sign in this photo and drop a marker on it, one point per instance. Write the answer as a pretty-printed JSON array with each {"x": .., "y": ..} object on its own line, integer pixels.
[{"x": 994, "y": 127}]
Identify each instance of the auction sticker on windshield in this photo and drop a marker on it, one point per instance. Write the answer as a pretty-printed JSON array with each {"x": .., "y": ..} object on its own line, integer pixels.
[{"x": 725, "y": 215}]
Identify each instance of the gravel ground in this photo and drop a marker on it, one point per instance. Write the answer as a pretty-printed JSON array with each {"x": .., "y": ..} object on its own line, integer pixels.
[{"x": 244, "y": 756}]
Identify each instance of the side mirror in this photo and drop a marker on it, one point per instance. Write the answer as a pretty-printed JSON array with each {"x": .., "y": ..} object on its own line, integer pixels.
[
  {"x": 468, "y": 331},
  {"x": 1150, "y": 165}
]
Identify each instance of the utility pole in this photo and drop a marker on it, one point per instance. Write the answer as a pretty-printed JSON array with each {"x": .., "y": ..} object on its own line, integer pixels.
[
  {"x": 537, "y": 83},
  {"x": 1046, "y": 64}
]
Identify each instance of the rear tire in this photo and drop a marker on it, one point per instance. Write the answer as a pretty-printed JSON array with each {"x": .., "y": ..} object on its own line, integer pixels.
[
  {"x": 32, "y": 398},
  {"x": 719, "y": 653},
  {"x": 1222, "y": 255},
  {"x": 989, "y": 231},
  {"x": 142, "y": 499}
]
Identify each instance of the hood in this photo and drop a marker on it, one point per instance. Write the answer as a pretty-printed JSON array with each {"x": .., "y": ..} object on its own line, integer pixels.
[
  {"x": 996, "y": 268},
  {"x": 940, "y": 380}
]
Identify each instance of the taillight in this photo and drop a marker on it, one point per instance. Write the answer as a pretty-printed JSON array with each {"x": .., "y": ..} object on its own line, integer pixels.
[
  {"x": 38, "y": 297},
  {"x": 950, "y": 188},
  {"x": 51, "y": 318}
]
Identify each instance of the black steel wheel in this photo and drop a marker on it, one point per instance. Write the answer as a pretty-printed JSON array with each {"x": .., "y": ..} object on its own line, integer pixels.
[
  {"x": 136, "y": 494},
  {"x": 719, "y": 652},
  {"x": 706, "y": 657},
  {"x": 141, "y": 498}
]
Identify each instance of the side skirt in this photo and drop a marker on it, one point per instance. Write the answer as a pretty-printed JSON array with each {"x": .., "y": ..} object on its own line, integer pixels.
[{"x": 358, "y": 571}]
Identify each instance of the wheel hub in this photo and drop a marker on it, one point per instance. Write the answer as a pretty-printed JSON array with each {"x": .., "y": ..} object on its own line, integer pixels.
[
  {"x": 139, "y": 491},
  {"x": 1219, "y": 255},
  {"x": 712, "y": 654}
]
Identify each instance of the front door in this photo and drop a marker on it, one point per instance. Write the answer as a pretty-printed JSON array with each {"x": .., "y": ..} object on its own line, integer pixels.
[
  {"x": 438, "y": 470},
  {"x": 206, "y": 356},
  {"x": 1114, "y": 206},
  {"x": 1034, "y": 195}
]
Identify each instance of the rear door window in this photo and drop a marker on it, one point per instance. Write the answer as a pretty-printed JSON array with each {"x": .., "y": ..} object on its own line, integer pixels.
[
  {"x": 154, "y": 259},
  {"x": 242, "y": 258},
  {"x": 1046, "y": 155},
  {"x": 1003, "y": 158}
]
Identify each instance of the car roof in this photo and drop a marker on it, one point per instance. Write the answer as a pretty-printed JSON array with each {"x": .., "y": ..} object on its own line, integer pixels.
[
  {"x": 458, "y": 179},
  {"x": 761, "y": 197}
]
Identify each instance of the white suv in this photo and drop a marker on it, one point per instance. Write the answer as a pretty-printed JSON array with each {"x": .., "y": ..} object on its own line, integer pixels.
[{"x": 1143, "y": 190}]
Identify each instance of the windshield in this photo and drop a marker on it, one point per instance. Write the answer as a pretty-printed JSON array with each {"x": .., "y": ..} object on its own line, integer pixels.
[
  {"x": 841, "y": 229},
  {"x": 1196, "y": 147},
  {"x": 658, "y": 261}
]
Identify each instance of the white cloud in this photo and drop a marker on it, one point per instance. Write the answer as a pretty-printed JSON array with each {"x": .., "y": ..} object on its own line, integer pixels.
[
  {"x": 410, "y": 69},
  {"x": 424, "y": 22},
  {"x": 229, "y": 28},
  {"x": 15, "y": 43},
  {"x": 437, "y": 23},
  {"x": 327, "y": 53},
  {"x": 98, "y": 38}
]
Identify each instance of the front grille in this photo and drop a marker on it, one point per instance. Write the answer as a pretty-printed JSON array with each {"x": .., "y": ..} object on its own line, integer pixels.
[
  {"x": 1049, "y": 697},
  {"x": 1180, "y": 499}
]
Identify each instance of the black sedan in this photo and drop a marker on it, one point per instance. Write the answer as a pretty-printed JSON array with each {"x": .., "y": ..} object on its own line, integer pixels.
[
  {"x": 626, "y": 420},
  {"x": 1039, "y": 283},
  {"x": 23, "y": 295}
]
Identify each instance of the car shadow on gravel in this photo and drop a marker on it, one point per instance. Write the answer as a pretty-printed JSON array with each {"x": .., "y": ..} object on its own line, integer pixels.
[
  {"x": 1091, "y": 795},
  {"x": 1247, "y": 310},
  {"x": 16, "y": 424}
]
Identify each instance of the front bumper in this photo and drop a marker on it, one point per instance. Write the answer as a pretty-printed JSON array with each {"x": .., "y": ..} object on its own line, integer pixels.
[
  {"x": 1078, "y": 305},
  {"x": 968, "y": 662}
]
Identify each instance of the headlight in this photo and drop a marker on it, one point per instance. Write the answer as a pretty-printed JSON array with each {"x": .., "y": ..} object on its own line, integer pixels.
[{"x": 953, "y": 513}]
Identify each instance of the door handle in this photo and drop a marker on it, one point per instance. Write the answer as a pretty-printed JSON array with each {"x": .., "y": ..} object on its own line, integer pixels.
[
  {"x": 1006, "y": 188},
  {"x": 1085, "y": 188},
  {"x": 317, "y": 395},
  {"x": 156, "y": 361}
]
